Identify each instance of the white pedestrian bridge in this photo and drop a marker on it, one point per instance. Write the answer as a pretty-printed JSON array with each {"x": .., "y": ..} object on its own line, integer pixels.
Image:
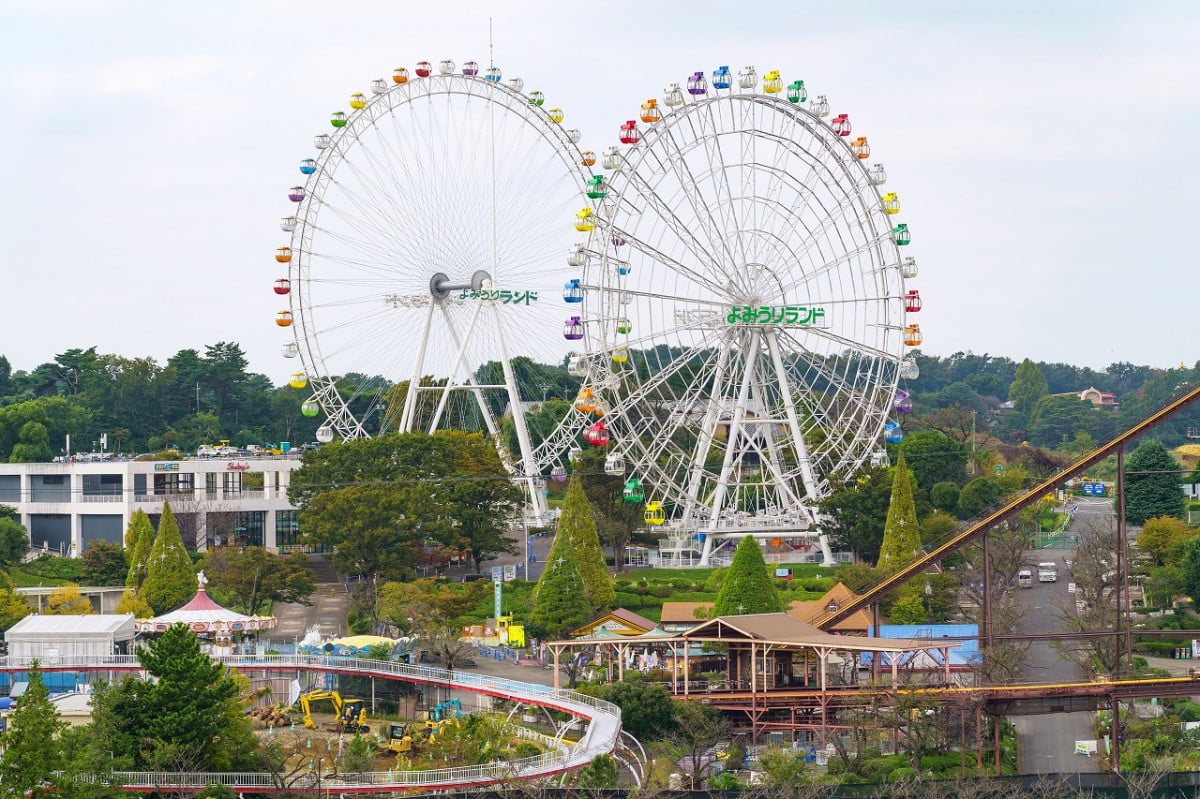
[{"x": 601, "y": 736}]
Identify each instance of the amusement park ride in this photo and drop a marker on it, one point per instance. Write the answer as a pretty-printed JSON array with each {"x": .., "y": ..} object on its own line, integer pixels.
[{"x": 735, "y": 285}]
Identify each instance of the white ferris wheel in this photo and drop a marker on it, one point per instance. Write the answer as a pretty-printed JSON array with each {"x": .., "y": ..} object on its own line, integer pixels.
[
  {"x": 743, "y": 306},
  {"x": 426, "y": 246}
]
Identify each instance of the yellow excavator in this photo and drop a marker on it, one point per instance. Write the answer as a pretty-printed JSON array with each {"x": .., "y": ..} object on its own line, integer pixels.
[
  {"x": 408, "y": 736},
  {"x": 351, "y": 713}
]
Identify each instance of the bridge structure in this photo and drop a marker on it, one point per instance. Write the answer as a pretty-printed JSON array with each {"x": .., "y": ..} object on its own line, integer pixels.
[
  {"x": 602, "y": 734},
  {"x": 1070, "y": 696}
]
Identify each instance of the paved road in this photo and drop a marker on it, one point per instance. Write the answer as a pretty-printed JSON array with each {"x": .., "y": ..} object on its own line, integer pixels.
[{"x": 1047, "y": 742}]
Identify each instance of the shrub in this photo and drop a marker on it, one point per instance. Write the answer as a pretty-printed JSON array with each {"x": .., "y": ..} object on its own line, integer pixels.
[
  {"x": 526, "y": 749},
  {"x": 54, "y": 567},
  {"x": 715, "y": 581}
]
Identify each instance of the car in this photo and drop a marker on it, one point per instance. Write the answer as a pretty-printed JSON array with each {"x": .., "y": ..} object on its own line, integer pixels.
[{"x": 470, "y": 578}]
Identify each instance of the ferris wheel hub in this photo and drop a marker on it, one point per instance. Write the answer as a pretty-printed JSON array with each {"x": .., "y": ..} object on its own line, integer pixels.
[{"x": 440, "y": 285}]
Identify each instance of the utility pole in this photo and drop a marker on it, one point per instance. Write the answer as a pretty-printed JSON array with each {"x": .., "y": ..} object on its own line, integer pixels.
[{"x": 974, "y": 467}]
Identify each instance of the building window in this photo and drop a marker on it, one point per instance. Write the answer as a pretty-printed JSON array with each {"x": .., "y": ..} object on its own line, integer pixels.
[
  {"x": 287, "y": 528},
  {"x": 248, "y": 531}
]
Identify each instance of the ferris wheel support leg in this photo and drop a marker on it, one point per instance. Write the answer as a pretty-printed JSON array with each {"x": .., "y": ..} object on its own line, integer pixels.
[
  {"x": 537, "y": 501},
  {"x": 802, "y": 457},
  {"x": 707, "y": 433},
  {"x": 410, "y": 398},
  {"x": 735, "y": 430},
  {"x": 706, "y": 553},
  {"x": 826, "y": 552}
]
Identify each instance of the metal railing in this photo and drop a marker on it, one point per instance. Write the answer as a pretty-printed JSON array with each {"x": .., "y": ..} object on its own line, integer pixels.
[{"x": 600, "y": 738}]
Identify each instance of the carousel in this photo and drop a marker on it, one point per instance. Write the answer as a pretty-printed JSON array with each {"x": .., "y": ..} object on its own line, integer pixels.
[{"x": 207, "y": 619}]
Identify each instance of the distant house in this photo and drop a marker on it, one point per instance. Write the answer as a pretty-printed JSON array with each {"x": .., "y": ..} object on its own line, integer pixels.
[
  {"x": 678, "y": 617},
  {"x": 619, "y": 622},
  {"x": 1098, "y": 398},
  {"x": 812, "y": 611}
]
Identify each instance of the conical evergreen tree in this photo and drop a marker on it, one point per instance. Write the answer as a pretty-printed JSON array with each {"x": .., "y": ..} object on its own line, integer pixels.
[
  {"x": 747, "y": 587},
  {"x": 170, "y": 579},
  {"x": 901, "y": 535},
  {"x": 577, "y": 524},
  {"x": 901, "y": 546},
  {"x": 559, "y": 603},
  {"x": 32, "y": 751},
  {"x": 139, "y": 540}
]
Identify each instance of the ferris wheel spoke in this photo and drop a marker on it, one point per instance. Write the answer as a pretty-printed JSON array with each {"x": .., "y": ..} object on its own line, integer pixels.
[
  {"x": 677, "y": 227},
  {"x": 676, "y": 163},
  {"x": 724, "y": 196}
]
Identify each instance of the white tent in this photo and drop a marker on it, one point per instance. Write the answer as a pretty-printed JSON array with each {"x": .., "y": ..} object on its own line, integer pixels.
[{"x": 54, "y": 638}]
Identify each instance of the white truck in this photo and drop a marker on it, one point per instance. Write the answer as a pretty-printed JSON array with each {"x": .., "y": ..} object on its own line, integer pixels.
[{"x": 1047, "y": 572}]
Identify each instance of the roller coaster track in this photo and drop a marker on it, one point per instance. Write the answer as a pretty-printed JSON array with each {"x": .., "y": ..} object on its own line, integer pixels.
[
  {"x": 1006, "y": 512},
  {"x": 601, "y": 737}
]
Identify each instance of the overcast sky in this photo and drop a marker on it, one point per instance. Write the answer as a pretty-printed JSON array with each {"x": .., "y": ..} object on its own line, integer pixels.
[{"x": 1044, "y": 151}]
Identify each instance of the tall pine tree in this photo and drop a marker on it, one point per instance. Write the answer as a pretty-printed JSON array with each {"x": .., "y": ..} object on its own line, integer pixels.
[
  {"x": 577, "y": 525},
  {"x": 902, "y": 545},
  {"x": 559, "y": 603},
  {"x": 170, "y": 579},
  {"x": 747, "y": 587},
  {"x": 32, "y": 751},
  {"x": 139, "y": 540},
  {"x": 901, "y": 535}
]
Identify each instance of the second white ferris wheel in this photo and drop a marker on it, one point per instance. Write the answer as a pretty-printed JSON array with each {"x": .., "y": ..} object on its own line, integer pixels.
[
  {"x": 425, "y": 247},
  {"x": 743, "y": 306}
]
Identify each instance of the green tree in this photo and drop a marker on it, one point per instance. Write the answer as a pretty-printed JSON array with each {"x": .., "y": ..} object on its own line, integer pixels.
[
  {"x": 977, "y": 496},
  {"x": 1151, "y": 483},
  {"x": 909, "y": 608},
  {"x": 486, "y": 501},
  {"x": 432, "y": 611},
  {"x": 14, "y": 541},
  {"x": 245, "y": 578},
  {"x": 103, "y": 564},
  {"x": 748, "y": 587},
  {"x": 32, "y": 750},
  {"x": 386, "y": 502},
  {"x": 33, "y": 444},
  {"x": 1057, "y": 419},
  {"x": 615, "y": 518},
  {"x": 170, "y": 579},
  {"x": 139, "y": 540},
  {"x": 647, "y": 711},
  {"x": 600, "y": 774},
  {"x": 858, "y": 512},
  {"x": 1189, "y": 566},
  {"x": 934, "y": 457},
  {"x": 189, "y": 713},
  {"x": 559, "y": 602},
  {"x": 1028, "y": 386},
  {"x": 901, "y": 534},
  {"x": 781, "y": 768},
  {"x": 578, "y": 526},
  {"x": 944, "y": 496}
]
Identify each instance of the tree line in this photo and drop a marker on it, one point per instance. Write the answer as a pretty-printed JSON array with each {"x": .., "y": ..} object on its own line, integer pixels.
[{"x": 204, "y": 395}]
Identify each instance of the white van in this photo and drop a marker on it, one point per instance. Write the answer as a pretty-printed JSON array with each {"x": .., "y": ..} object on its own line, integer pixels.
[
  {"x": 1025, "y": 578},
  {"x": 1047, "y": 572}
]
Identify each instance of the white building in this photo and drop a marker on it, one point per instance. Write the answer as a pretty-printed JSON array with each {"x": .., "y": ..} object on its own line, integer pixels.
[
  {"x": 51, "y": 639},
  {"x": 218, "y": 502}
]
